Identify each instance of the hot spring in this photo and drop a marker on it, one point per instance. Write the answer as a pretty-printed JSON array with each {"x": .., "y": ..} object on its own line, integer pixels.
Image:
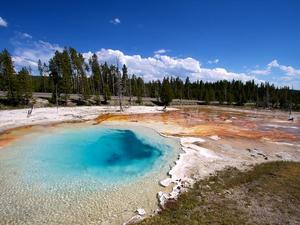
[{"x": 82, "y": 174}]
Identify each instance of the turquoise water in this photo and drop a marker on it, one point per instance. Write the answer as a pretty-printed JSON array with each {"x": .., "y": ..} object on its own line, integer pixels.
[
  {"x": 100, "y": 154},
  {"x": 83, "y": 174},
  {"x": 106, "y": 154}
]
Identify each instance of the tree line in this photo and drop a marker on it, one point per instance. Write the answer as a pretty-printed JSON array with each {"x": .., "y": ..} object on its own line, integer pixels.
[{"x": 67, "y": 73}]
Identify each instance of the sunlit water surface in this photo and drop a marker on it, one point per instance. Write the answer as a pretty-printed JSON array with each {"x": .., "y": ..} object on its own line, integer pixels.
[{"x": 83, "y": 174}]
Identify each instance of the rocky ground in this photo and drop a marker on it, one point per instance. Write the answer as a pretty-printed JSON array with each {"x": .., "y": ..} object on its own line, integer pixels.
[
  {"x": 22, "y": 117},
  {"x": 212, "y": 139}
]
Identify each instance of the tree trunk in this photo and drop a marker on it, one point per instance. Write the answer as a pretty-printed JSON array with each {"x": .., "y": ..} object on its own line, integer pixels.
[
  {"x": 130, "y": 91},
  {"x": 56, "y": 97}
]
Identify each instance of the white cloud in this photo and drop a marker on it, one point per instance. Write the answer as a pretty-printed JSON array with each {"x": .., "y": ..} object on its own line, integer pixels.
[
  {"x": 289, "y": 75},
  {"x": 160, "y": 51},
  {"x": 215, "y": 61},
  {"x": 288, "y": 70},
  {"x": 3, "y": 23},
  {"x": 261, "y": 72},
  {"x": 115, "y": 21},
  {"x": 274, "y": 63},
  {"x": 158, "y": 66},
  {"x": 222, "y": 74},
  {"x": 265, "y": 71},
  {"x": 27, "y": 52},
  {"x": 21, "y": 35},
  {"x": 26, "y": 35}
]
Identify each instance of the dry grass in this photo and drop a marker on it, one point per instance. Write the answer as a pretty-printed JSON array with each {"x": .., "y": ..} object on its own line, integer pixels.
[{"x": 267, "y": 194}]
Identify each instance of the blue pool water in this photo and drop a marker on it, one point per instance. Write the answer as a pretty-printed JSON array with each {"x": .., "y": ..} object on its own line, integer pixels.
[
  {"x": 82, "y": 174},
  {"x": 108, "y": 155}
]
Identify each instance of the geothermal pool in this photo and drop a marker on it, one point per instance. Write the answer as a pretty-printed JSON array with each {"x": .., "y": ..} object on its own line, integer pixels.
[{"x": 82, "y": 174}]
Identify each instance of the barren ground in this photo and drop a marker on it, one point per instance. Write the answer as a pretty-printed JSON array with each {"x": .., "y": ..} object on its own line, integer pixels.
[{"x": 213, "y": 139}]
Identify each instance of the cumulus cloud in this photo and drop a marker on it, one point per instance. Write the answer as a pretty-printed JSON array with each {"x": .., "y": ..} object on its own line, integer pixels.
[
  {"x": 40, "y": 50},
  {"x": 158, "y": 66},
  {"x": 3, "y": 23},
  {"x": 290, "y": 76},
  {"x": 273, "y": 63},
  {"x": 160, "y": 51},
  {"x": 288, "y": 70},
  {"x": 27, "y": 51},
  {"x": 115, "y": 21},
  {"x": 215, "y": 61},
  {"x": 223, "y": 74},
  {"x": 261, "y": 72}
]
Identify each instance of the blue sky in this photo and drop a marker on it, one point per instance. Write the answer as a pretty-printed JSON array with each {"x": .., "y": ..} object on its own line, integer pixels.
[{"x": 208, "y": 40}]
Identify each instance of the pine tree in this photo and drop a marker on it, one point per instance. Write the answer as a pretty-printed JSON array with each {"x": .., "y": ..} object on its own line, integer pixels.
[
  {"x": 187, "y": 88},
  {"x": 96, "y": 74},
  {"x": 10, "y": 82},
  {"x": 75, "y": 76},
  {"x": 41, "y": 69},
  {"x": 140, "y": 90},
  {"x": 241, "y": 99},
  {"x": 78, "y": 68},
  {"x": 106, "y": 93},
  {"x": 84, "y": 87},
  {"x": 207, "y": 96},
  {"x": 66, "y": 70},
  {"x": 68, "y": 74},
  {"x": 55, "y": 75},
  {"x": 166, "y": 95},
  {"x": 113, "y": 80},
  {"x": 105, "y": 72},
  {"x": 25, "y": 83},
  {"x": 119, "y": 86},
  {"x": 124, "y": 80}
]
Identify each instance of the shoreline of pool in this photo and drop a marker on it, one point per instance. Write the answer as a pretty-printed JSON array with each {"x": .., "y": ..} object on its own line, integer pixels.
[
  {"x": 11, "y": 119},
  {"x": 200, "y": 156},
  {"x": 177, "y": 181},
  {"x": 147, "y": 200}
]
